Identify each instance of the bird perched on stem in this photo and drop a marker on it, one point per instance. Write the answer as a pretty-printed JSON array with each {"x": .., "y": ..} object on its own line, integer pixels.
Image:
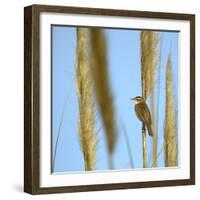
[{"x": 143, "y": 113}]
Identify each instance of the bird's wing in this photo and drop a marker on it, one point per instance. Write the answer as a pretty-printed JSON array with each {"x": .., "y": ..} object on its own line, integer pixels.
[
  {"x": 139, "y": 112},
  {"x": 148, "y": 116},
  {"x": 143, "y": 113}
]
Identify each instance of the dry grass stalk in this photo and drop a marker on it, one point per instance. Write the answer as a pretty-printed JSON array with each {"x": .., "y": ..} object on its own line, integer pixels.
[
  {"x": 102, "y": 88},
  {"x": 149, "y": 42},
  {"x": 144, "y": 146},
  {"x": 85, "y": 100},
  {"x": 54, "y": 154},
  {"x": 170, "y": 120},
  {"x": 155, "y": 136}
]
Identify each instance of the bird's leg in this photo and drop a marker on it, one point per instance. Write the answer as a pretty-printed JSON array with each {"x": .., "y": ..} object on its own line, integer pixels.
[{"x": 143, "y": 127}]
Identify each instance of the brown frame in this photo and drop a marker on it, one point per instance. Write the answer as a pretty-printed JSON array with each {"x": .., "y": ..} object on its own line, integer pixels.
[{"x": 32, "y": 104}]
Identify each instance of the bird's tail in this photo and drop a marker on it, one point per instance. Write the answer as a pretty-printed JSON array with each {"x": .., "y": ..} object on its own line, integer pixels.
[{"x": 150, "y": 130}]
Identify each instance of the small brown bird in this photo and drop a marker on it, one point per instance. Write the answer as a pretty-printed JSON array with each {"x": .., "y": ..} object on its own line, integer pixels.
[{"x": 143, "y": 113}]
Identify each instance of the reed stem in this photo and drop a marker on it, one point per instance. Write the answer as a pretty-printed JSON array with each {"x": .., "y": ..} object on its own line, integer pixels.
[
  {"x": 155, "y": 136},
  {"x": 144, "y": 146},
  {"x": 128, "y": 145}
]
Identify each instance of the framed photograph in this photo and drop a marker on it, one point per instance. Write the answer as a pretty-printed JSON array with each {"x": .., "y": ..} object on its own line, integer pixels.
[{"x": 109, "y": 99}]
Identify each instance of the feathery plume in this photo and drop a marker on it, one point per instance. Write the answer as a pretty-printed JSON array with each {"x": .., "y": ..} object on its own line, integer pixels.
[
  {"x": 149, "y": 42},
  {"x": 102, "y": 88},
  {"x": 170, "y": 120},
  {"x": 85, "y": 100}
]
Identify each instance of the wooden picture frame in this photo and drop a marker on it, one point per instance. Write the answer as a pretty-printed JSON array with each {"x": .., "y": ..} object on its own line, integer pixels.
[{"x": 32, "y": 92}]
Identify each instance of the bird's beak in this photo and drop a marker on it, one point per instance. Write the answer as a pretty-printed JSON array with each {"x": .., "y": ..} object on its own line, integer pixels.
[{"x": 132, "y": 99}]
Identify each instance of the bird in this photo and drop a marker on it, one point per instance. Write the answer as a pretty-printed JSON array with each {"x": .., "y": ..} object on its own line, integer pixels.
[{"x": 143, "y": 113}]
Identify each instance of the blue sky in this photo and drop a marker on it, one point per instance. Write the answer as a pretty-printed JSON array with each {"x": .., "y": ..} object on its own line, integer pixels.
[{"x": 123, "y": 48}]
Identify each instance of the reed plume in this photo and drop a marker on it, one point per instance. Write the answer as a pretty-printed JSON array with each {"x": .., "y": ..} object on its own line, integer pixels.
[
  {"x": 102, "y": 88},
  {"x": 85, "y": 100},
  {"x": 155, "y": 138},
  {"x": 170, "y": 120},
  {"x": 148, "y": 41}
]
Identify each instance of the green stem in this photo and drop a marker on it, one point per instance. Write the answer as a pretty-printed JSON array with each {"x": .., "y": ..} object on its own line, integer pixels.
[{"x": 128, "y": 145}]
